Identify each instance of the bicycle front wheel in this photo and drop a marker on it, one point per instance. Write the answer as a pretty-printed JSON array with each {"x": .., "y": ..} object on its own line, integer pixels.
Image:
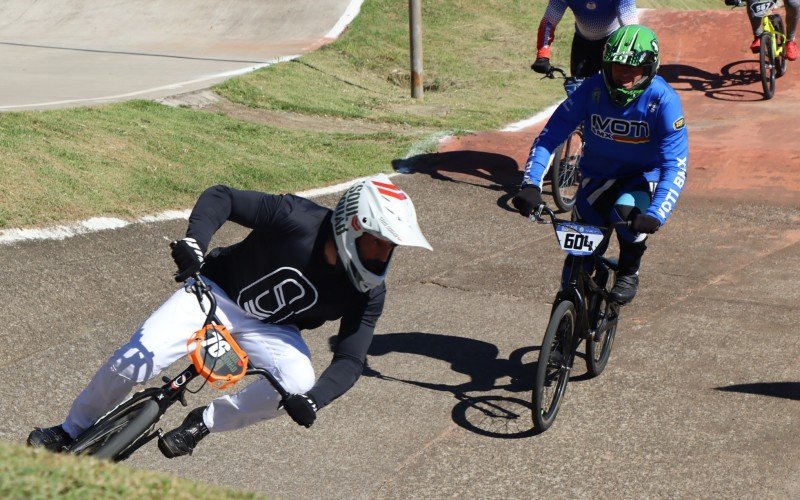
[
  {"x": 552, "y": 369},
  {"x": 565, "y": 174},
  {"x": 114, "y": 433},
  {"x": 780, "y": 40},
  {"x": 766, "y": 63}
]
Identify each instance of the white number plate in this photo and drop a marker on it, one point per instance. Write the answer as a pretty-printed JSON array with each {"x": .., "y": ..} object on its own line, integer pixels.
[
  {"x": 761, "y": 9},
  {"x": 578, "y": 239}
]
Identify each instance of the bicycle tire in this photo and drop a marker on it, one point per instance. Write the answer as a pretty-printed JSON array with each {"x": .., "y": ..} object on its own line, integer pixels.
[
  {"x": 552, "y": 369},
  {"x": 766, "y": 64},
  {"x": 565, "y": 174},
  {"x": 598, "y": 345},
  {"x": 777, "y": 23},
  {"x": 114, "y": 433}
]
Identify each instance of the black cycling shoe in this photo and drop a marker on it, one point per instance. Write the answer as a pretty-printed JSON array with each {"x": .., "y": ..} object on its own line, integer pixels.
[
  {"x": 625, "y": 288},
  {"x": 182, "y": 439},
  {"x": 49, "y": 438}
]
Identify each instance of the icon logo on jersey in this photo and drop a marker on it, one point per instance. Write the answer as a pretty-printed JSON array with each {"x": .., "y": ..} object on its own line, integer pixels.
[
  {"x": 591, "y": 5},
  {"x": 679, "y": 123},
  {"x": 618, "y": 130},
  {"x": 278, "y": 295}
]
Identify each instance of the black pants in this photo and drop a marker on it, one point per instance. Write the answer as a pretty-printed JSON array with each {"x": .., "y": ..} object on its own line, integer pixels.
[{"x": 586, "y": 57}]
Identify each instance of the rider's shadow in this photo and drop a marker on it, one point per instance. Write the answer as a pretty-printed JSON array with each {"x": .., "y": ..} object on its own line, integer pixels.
[
  {"x": 498, "y": 172},
  {"x": 725, "y": 85},
  {"x": 492, "y": 415}
]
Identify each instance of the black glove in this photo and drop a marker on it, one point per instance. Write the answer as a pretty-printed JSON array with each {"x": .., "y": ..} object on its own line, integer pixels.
[
  {"x": 732, "y": 3},
  {"x": 542, "y": 65},
  {"x": 302, "y": 409},
  {"x": 188, "y": 256},
  {"x": 643, "y": 223},
  {"x": 527, "y": 199}
]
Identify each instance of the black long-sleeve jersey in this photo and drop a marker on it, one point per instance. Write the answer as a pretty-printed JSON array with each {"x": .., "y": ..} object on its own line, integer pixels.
[{"x": 278, "y": 274}]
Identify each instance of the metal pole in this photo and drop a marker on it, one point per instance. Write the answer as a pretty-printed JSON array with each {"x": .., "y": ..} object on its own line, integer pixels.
[{"x": 415, "y": 25}]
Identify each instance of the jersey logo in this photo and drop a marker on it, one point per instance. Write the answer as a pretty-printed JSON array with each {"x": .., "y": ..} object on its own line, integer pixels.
[
  {"x": 591, "y": 5},
  {"x": 618, "y": 130},
  {"x": 277, "y": 296},
  {"x": 679, "y": 123}
]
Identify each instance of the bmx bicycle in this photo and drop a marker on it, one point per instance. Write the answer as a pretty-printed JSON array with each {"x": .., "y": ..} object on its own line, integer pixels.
[
  {"x": 132, "y": 424},
  {"x": 583, "y": 310},
  {"x": 564, "y": 171},
  {"x": 772, "y": 37}
]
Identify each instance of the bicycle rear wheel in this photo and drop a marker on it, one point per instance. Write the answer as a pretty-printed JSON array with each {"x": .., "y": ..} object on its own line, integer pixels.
[
  {"x": 766, "y": 63},
  {"x": 565, "y": 175},
  {"x": 552, "y": 369},
  {"x": 121, "y": 428},
  {"x": 602, "y": 323}
]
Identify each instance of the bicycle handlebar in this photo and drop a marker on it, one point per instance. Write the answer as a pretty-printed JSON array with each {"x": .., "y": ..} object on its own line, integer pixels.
[
  {"x": 200, "y": 289},
  {"x": 536, "y": 216}
]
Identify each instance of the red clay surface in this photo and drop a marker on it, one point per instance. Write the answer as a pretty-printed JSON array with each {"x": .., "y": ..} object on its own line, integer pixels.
[{"x": 741, "y": 146}]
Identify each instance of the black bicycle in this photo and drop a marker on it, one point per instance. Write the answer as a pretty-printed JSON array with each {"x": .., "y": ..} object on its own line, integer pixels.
[
  {"x": 564, "y": 171},
  {"x": 215, "y": 357},
  {"x": 583, "y": 310}
]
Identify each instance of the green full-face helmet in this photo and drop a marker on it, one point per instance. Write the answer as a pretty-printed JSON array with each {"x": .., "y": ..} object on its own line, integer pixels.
[{"x": 632, "y": 45}]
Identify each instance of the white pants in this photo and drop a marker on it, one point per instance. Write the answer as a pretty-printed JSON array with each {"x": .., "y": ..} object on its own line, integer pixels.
[{"x": 161, "y": 340}]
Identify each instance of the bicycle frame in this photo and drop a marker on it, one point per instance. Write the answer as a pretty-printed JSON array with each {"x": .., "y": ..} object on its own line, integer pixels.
[
  {"x": 174, "y": 389},
  {"x": 580, "y": 280}
]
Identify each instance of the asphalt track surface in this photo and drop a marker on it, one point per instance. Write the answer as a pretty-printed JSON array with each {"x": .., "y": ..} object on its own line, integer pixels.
[
  {"x": 700, "y": 398},
  {"x": 62, "y": 53}
]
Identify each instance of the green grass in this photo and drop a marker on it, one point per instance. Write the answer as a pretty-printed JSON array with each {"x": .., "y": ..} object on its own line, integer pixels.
[
  {"x": 27, "y": 473},
  {"x": 140, "y": 157}
]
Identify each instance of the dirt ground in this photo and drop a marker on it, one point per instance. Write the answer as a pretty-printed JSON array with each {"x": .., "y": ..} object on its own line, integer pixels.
[{"x": 741, "y": 146}]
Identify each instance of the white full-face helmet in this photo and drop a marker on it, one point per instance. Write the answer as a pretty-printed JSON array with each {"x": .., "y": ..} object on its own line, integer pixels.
[{"x": 380, "y": 208}]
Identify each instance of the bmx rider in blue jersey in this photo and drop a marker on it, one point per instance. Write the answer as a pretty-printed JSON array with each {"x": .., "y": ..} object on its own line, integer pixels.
[{"x": 636, "y": 154}]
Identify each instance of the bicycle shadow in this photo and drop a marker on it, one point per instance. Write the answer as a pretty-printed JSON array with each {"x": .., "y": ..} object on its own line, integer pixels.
[
  {"x": 785, "y": 390},
  {"x": 494, "y": 415},
  {"x": 725, "y": 85}
]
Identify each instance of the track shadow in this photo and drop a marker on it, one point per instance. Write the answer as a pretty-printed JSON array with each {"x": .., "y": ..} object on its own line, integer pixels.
[
  {"x": 785, "y": 390},
  {"x": 470, "y": 167},
  {"x": 488, "y": 415},
  {"x": 495, "y": 415},
  {"x": 727, "y": 85}
]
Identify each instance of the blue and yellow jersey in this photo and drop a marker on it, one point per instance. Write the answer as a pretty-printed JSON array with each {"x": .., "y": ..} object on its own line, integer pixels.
[{"x": 647, "y": 137}]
